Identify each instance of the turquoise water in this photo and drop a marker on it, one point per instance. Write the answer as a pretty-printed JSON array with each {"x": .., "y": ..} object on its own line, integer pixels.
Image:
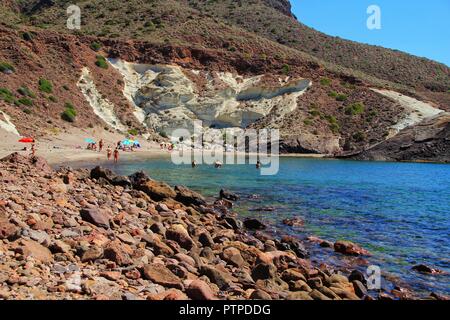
[{"x": 400, "y": 212}]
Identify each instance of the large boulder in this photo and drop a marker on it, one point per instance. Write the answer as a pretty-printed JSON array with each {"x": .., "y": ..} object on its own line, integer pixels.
[
  {"x": 188, "y": 197},
  {"x": 157, "y": 190}
]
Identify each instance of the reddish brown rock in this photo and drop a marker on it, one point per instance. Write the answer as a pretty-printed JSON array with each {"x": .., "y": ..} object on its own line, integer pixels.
[
  {"x": 159, "y": 274},
  {"x": 96, "y": 216},
  {"x": 349, "y": 248},
  {"x": 157, "y": 190},
  {"x": 7, "y": 230},
  {"x": 30, "y": 248},
  {"x": 115, "y": 251},
  {"x": 179, "y": 234},
  {"x": 199, "y": 290}
]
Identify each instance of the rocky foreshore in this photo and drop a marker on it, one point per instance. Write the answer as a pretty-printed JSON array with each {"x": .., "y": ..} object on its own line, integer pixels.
[{"x": 91, "y": 234}]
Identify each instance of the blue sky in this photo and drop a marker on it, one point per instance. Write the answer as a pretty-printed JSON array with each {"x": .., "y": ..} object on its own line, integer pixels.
[{"x": 418, "y": 27}]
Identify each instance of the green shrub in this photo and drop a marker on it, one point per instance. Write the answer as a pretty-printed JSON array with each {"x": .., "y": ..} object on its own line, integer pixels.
[
  {"x": 286, "y": 69},
  {"x": 45, "y": 85},
  {"x": 334, "y": 127},
  {"x": 6, "y": 95},
  {"x": 307, "y": 122},
  {"x": 23, "y": 90},
  {"x": 25, "y": 101},
  {"x": 133, "y": 132},
  {"x": 96, "y": 46},
  {"x": 69, "y": 115},
  {"x": 333, "y": 94},
  {"x": 27, "y": 111},
  {"x": 52, "y": 99},
  {"x": 101, "y": 62},
  {"x": 354, "y": 109},
  {"x": 5, "y": 67},
  {"x": 359, "y": 136},
  {"x": 325, "y": 81},
  {"x": 341, "y": 97},
  {"x": 65, "y": 87}
]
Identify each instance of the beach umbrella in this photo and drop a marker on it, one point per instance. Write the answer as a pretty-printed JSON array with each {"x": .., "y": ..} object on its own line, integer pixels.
[
  {"x": 126, "y": 142},
  {"x": 26, "y": 140},
  {"x": 89, "y": 140}
]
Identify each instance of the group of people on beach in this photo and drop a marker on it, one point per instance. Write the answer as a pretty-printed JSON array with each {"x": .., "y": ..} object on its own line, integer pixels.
[{"x": 109, "y": 151}]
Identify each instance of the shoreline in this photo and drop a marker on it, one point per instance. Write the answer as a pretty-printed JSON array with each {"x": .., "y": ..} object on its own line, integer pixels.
[{"x": 165, "y": 200}]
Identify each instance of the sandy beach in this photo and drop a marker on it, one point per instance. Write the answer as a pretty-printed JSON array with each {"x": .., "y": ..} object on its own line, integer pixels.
[{"x": 70, "y": 147}]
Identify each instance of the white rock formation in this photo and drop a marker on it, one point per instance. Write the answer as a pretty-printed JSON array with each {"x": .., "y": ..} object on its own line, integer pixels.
[
  {"x": 415, "y": 111},
  {"x": 102, "y": 107},
  {"x": 6, "y": 124},
  {"x": 168, "y": 97}
]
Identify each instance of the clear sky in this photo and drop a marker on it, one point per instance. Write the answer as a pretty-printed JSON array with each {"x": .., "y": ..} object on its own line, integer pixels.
[{"x": 419, "y": 27}]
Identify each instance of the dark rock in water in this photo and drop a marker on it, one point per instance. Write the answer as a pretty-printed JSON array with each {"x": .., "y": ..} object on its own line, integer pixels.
[
  {"x": 422, "y": 268},
  {"x": 138, "y": 178},
  {"x": 264, "y": 271},
  {"x": 260, "y": 209},
  {"x": 291, "y": 243},
  {"x": 294, "y": 222},
  {"x": 357, "y": 275},
  {"x": 234, "y": 223},
  {"x": 349, "y": 248},
  {"x": 122, "y": 181},
  {"x": 188, "y": 197},
  {"x": 99, "y": 172},
  {"x": 360, "y": 289},
  {"x": 96, "y": 216},
  {"x": 228, "y": 195},
  {"x": 439, "y": 297},
  {"x": 254, "y": 224}
]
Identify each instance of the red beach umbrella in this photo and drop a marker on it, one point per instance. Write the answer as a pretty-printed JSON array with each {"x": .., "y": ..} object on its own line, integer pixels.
[{"x": 27, "y": 140}]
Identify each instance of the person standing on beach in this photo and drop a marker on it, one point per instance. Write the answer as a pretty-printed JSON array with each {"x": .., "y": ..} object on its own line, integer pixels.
[
  {"x": 109, "y": 152},
  {"x": 258, "y": 165},
  {"x": 116, "y": 155},
  {"x": 100, "y": 145},
  {"x": 33, "y": 150},
  {"x": 194, "y": 164}
]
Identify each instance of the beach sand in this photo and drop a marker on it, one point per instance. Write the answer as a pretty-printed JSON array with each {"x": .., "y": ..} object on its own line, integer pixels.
[{"x": 69, "y": 147}]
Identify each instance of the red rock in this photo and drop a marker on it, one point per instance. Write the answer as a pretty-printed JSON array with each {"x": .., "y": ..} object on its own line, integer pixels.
[
  {"x": 116, "y": 252},
  {"x": 159, "y": 274},
  {"x": 7, "y": 229},
  {"x": 199, "y": 290},
  {"x": 33, "y": 249},
  {"x": 349, "y": 248},
  {"x": 179, "y": 234},
  {"x": 96, "y": 216}
]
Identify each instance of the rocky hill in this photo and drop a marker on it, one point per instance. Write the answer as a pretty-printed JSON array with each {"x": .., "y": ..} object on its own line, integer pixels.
[{"x": 120, "y": 71}]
